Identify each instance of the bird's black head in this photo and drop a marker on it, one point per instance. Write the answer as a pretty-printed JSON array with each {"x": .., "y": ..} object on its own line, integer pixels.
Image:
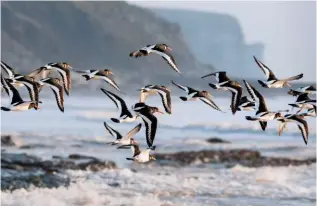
[
  {"x": 278, "y": 115},
  {"x": 132, "y": 141},
  {"x": 152, "y": 157},
  {"x": 164, "y": 87},
  {"x": 156, "y": 110},
  {"x": 165, "y": 47},
  {"x": 66, "y": 65},
  {"x": 205, "y": 93},
  {"x": 108, "y": 71},
  {"x": 34, "y": 106},
  {"x": 293, "y": 92}
]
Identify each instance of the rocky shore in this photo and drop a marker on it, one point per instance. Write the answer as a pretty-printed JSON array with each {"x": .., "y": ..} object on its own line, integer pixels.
[{"x": 23, "y": 170}]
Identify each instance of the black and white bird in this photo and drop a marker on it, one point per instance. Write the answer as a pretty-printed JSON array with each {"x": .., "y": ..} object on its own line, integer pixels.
[
  {"x": 100, "y": 74},
  {"x": 309, "y": 113},
  {"x": 32, "y": 86},
  {"x": 246, "y": 104},
  {"x": 272, "y": 81},
  {"x": 226, "y": 84},
  {"x": 125, "y": 114},
  {"x": 307, "y": 89},
  {"x": 193, "y": 94},
  {"x": 62, "y": 68},
  {"x": 11, "y": 75},
  {"x": 304, "y": 102},
  {"x": 147, "y": 114},
  {"x": 4, "y": 85},
  {"x": 9, "y": 70},
  {"x": 17, "y": 103},
  {"x": 138, "y": 155},
  {"x": 299, "y": 120},
  {"x": 123, "y": 140},
  {"x": 19, "y": 80},
  {"x": 161, "y": 49},
  {"x": 40, "y": 73},
  {"x": 56, "y": 86},
  {"x": 262, "y": 113},
  {"x": 163, "y": 91}
]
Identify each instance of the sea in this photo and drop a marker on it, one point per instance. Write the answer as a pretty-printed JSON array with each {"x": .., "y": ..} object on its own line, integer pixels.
[{"x": 80, "y": 129}]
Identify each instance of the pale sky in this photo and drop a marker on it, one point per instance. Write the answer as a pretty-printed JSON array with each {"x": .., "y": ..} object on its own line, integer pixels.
[{"x": 288, "y": 30}]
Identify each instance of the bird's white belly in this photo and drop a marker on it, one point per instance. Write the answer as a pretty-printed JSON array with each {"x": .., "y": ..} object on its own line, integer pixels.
[
  {"x": 18, "y": 84},
  {"x": 221, "y": 88},
  {"x": 96, "y": 77},
  {"x": 192, "y": 98},
  {"x": 21, "y": 107},
  {"x": 247, "y": 108},
  {"x": 124, "y": 141},
  {"x": 142, "y": 157},
  {"x": 267, "y": 117},
  {"x": 307, "y": 106},
  {"x": 129, "y": 119},
  {"x": 277, "y": 84}
]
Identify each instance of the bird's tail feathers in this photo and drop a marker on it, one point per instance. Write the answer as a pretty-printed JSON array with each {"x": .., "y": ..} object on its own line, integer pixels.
[
  {"x": 87, "y": 77},
  {"x": 251, "y": 118},
  {"x": 80, "y": 71},
  {"x": 124, "y": 147},
  {"x": 293, "y": 105},
  {"x": 214, "y": 86},
  {"x": 5, "y": 109},
  {"x": 262, "y": 84},
  {"x": 183, "y": 98},
  {"x": 283, "y": 110},
  {"x": 115, "y": 120}
]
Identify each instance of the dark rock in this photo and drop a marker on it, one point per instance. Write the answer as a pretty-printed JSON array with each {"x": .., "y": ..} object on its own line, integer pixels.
[
  {"x": 23, "y": 170},
  {"x": 230, "y": 158},
  {"x": 114, "y": 184},
  {"x": 96, "y": 165},
  {"x": 217, "y": 140},
  {"x": 79, "y": 156},
  {"x": 77, "y": 145},
  {"x": 57, "y": 157},
  {"x": 6, "y": 140},
  {"x": 33, "y": 146},
  {"x": 21, "y": 159}
]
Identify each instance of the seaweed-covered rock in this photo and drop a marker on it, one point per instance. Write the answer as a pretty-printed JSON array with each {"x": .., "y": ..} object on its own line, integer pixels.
[
  {"x": 7, "y": 140},
  {"x": 243, "y": 157},
  {"x": 214, "y": 140},
  {"x": 34, "y": 146}
]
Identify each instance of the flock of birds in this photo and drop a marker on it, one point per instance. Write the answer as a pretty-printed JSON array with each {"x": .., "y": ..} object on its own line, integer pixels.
[{"x": 40, "y": 77}]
